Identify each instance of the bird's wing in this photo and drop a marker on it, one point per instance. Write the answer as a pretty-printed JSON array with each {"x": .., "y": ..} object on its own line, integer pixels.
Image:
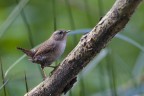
[{"x": 45, "y": 48}]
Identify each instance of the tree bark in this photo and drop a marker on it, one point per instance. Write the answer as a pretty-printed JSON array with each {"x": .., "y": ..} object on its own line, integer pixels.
[{"x": 88, "y": 47}]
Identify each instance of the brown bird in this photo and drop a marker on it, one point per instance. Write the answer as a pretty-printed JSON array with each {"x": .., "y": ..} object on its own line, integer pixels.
[{"x": 48, "y": 51}]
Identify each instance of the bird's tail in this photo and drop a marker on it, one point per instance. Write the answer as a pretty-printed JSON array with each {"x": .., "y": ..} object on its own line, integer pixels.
[{"x": 27, "y": 52}]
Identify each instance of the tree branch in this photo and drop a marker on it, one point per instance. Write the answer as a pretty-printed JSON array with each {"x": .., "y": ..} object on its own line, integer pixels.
[{"x": 88, "y": 47}]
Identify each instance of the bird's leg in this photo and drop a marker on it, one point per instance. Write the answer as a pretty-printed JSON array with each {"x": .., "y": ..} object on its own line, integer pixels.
[
  {"x": 55, "y": 67},
  {"x": 43, "y": 73}
]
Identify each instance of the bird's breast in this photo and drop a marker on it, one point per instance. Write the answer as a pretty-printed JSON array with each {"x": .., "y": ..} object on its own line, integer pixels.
[{"x": 60, "y": 48}]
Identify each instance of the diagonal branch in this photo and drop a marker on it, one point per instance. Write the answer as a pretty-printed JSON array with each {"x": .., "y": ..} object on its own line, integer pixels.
[{"x": 88, "y": 47}]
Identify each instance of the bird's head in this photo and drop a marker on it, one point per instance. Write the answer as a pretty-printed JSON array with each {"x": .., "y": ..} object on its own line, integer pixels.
[{"x": 60, "y": 35}]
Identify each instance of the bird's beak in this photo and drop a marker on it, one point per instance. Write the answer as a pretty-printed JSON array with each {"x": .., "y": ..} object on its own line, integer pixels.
[{"x": 68, "y": 31}]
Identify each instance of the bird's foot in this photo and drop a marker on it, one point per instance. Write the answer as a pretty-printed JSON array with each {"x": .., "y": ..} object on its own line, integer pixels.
[
  {"x": 55, "y": 67},
  {"x": 44, "y": 78}
]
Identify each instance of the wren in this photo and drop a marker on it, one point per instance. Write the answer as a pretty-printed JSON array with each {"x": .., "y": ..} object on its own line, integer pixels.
[{"x": 48, "y": 51}]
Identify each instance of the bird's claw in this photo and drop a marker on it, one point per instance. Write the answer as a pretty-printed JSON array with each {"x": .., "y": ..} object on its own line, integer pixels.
[{"x": 55, "y": 67}]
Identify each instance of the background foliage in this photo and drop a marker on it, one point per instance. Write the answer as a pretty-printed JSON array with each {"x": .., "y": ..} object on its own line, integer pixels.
[{"x": 116, "y": 71}]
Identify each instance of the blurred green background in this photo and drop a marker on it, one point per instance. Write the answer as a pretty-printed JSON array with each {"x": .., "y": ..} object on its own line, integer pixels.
[{"x": 117, "y": 71}]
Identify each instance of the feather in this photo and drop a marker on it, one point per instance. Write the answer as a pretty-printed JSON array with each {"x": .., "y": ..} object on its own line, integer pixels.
[{"x": 27, "y": 52}]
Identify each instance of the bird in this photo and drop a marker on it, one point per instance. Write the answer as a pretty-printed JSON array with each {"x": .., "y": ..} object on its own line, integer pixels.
[{"x": 49, "y": 51}]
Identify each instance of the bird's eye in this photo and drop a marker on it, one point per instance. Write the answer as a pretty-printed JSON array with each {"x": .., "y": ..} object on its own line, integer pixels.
[{"x": 60, "y": 32}]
